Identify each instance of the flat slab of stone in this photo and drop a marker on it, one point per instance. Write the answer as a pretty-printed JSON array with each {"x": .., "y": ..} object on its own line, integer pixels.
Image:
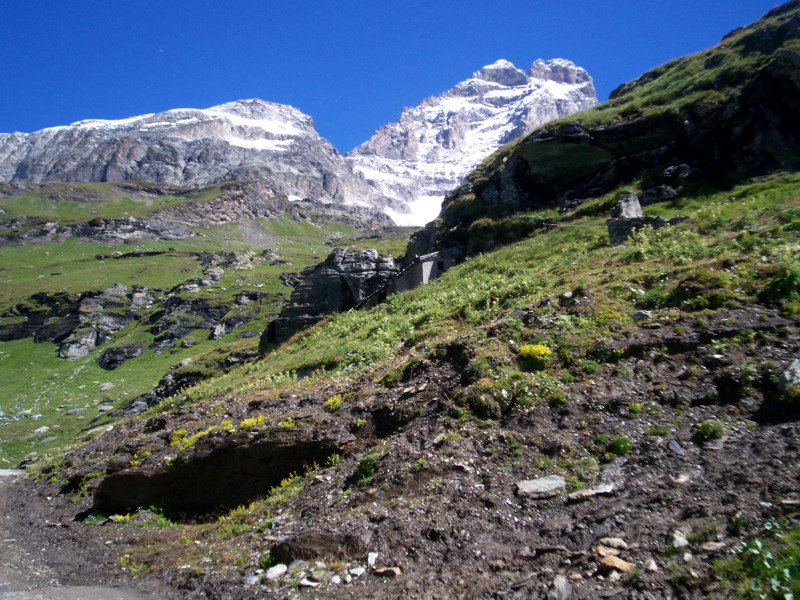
[
  {"x": 11, "y": 473},
  {"x": 598, "y": 490},
  {"x": 615, "y": 563},
  {"x": 543, "y": 487}
]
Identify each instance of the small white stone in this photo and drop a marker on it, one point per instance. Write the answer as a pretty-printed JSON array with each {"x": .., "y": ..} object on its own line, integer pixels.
[
  {"x": 679, "y": 539},
  {"x": 336, "y": 580},
  {"x": 357, "y": 571},
  {"x": 276, "y": 571},
  {"x": 371, "y": 558},
  {"x": 614, "y": 542}
]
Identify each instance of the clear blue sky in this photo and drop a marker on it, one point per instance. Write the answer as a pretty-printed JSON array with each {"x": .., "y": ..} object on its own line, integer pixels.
[{"x": 350, "y": 64}]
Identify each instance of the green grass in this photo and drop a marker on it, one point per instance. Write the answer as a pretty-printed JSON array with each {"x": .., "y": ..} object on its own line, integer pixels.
[
  {"x": 764, "y": 567},
  {"x": 47, "y": 382},
  {"x": 487, "y": 289},
  {"x": 71, "y": 203}
]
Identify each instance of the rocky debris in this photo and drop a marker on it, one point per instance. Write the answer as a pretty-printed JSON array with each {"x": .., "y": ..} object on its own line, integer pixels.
[
  {"x": 177, "y": 378},
  {"x": 544, "y": 487},
  {"x": 243, "y": 356},
  {"x": 113, "y": 357},
  {"x": 226, "y": 260},
  {"x": 110, "y": 231},
  {"x": 627, "y": 217},
  {"x": 458, "y": 500},
  {"x": 340, "y": 283}
]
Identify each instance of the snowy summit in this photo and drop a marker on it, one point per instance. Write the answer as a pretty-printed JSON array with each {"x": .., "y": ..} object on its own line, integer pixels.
[{"x": 431, "y": 148}]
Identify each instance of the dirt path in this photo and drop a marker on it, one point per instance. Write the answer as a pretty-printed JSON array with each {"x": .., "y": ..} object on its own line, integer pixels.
[{"x": 25, "y": 577}]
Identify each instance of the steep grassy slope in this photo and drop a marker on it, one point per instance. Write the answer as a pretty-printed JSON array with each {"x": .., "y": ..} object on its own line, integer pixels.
[{"x": 43, "y": 395}]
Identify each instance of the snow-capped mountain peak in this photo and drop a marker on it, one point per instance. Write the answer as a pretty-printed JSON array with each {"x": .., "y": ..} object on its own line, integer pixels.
[
  {"x": 245, "y": 139},
  {"x": 502, "y": 72},
  {"x": 432, "y": 147}
]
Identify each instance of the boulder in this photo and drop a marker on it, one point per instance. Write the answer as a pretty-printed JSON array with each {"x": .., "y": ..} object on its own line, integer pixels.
[
  {"x": 113, "y": 357},
  {"x": 78, "y": 345},
  {"x": 627, "y": 206},
  {"x": 110, "y": 322},
  {"x": 344, "y": 280},
  {"x": 543, "y": 487}
]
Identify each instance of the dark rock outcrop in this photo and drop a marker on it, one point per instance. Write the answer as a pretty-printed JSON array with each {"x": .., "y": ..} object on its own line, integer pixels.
[
  {"x": 113, "y": 357},
  {"x": 340, "y": 283}
]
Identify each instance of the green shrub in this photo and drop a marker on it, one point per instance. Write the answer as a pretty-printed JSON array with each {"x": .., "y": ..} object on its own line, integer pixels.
[
  {"x": 333, "y": 403},
  {"x": 535, "y": 356},
  {"x": 620, "y": 445},
  {"x": 704, "y": 289},
  {"x": 368, "y": 466},
  {"x": 764, "y": 568},
  {"x": 785, "y": 285},
  {"x": 710, "y": 430}
]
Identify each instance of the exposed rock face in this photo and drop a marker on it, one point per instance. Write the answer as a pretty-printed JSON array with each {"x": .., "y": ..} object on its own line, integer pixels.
[
  {"x": 115, "y": 356},
  {"x": 340, "y": 283},
  {"x": 102, "y": 230},
  {"x": 81, "y": 322},
  {"x": 432, "y": 147},
  {"x": 246, "y": 139},
  {"x": 78, "y": 345},
  {"x": 238, "y": 201}
]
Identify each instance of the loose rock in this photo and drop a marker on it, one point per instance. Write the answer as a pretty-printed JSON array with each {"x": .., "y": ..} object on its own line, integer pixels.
[{"x": 544, "y": 487}]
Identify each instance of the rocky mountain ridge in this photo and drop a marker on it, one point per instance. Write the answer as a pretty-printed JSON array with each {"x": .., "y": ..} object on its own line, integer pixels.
[
  {"x": 432, "y": 147},
  {"x": 409, "y": 164},
  {"x": 242, "y": 140}
]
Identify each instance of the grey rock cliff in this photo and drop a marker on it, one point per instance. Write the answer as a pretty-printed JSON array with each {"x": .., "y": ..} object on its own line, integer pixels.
[
  {"x": 339, "y": 283},
  {"x": 242, "y": 140}
]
